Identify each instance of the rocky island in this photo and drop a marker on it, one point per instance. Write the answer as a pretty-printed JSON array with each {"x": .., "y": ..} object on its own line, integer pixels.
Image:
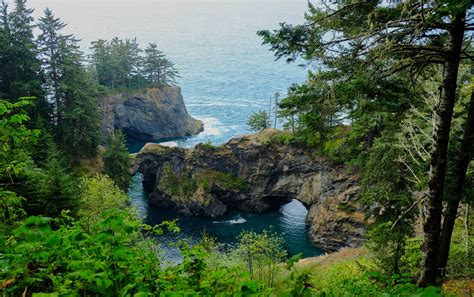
[
  {"x": 256, "y": 173},
  {"x": 149, "y": 115}
]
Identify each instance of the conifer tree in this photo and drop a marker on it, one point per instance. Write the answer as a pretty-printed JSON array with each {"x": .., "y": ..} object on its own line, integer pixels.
[
  {"x": 117, "y": 62},
  {"x": 158, "y": 70},
  {"x": 117, "y": 161},
  {"x": 49, "y": 42},
  {"x": 19, "y": 66},
  {"x": 363, "y": 43},
  {"x": 76, "y": 117},
  {"x": 51, "y": 189}
]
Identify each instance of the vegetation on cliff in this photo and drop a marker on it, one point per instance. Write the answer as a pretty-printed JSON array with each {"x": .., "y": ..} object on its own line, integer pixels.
[
  {"x": 400, "y": 74},
  {"x": 393, "y": 96}
]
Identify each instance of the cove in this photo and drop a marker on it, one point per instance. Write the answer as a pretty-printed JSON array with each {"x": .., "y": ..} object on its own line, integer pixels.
[{"x": 288, "y": 220}]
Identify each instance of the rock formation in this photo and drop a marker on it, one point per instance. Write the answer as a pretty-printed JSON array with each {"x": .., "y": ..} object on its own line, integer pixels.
[
  {"x": 256, "y": 173},
  {"x": 148, "y": 115}
]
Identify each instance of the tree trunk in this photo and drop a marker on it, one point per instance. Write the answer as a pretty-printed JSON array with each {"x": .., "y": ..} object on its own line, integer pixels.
[
  {"x": 442, "y": 118},
  {"x": 451, "y": 210}
]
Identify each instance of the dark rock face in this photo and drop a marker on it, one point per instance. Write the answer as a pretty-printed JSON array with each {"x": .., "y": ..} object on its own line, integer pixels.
[
  {"x": 148, "y": 115},
  {"x": 255, "y": 173}
]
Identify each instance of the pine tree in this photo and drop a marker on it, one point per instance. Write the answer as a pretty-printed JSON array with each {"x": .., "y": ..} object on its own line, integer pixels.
[
  {"x": 100, "y": 58},
  {"x": 79, "y": 132},
  {"x": 19, "y": 66},
  {"x": 158, "y": 70},
  {"x": 117, "y": 161},
  {"x": 258, "y": 121},
  {"x": 117, "y": 63},
  {"x": 49, "y": 42},
  {"x": 51, "y": 189},
  {"x": 76, "y": 117}
]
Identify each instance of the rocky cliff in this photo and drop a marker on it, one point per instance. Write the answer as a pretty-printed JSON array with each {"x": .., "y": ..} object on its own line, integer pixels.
[
  {"x": 148, "y": 115},
  {"x": 256, "y": 173}
]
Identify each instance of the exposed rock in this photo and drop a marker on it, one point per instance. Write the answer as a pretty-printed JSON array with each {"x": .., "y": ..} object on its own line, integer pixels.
[
  {"x": 148, "y": 115},
  {"x": 256, "y": 173}
]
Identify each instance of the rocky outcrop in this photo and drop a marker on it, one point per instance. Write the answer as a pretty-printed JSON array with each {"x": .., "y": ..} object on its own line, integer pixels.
[
  {"x": 148, "y": 115},
  {"x": 256, "y": 173}
]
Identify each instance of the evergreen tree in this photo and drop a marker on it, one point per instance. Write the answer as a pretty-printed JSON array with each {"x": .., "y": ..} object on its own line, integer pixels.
[
  {"x": 19, "y": 66},
  {"x": 258, "y": 121},
  {"x": 79, "y": 132},
  {"x": 76, "y": 116},
  {"x": 117, "y": 62},
  {"x": 100, "y": 58},
  {"x": 51, "y": 189},
  {"x": 369, "y": 42},
  {"x": 117, "y": 161},
  {"x": 158, "y": 70},
  {"x": 51, "y": 55}
]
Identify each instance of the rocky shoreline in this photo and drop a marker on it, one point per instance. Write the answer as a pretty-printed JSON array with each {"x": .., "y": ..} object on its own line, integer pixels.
[
  {"x": 148, "y": 115},
  {"x": 256, "y": 173}
]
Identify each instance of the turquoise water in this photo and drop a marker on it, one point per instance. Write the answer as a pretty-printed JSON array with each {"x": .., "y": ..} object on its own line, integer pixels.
[
  {"x": 226, "y": 74},
  {"x": 288, "y": 221}
]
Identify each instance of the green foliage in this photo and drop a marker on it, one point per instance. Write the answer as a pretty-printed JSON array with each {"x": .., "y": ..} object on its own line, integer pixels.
[
  {"x": 73, "y": 110},
  {"x": 117, "y": 161},
  {"x": 258, "y": 121},
  {"x": 285, "y": 137},
  {"x": 177, "y": 186},
  {"x": 111, "y": 258},
  {"x": 336, "y": 147},
  {"x": 209, "y": 145},
  {"x": 357, "y": 277},
  {"x": 51, "y": 189},
  {"x": 19, "y": 66},
  {"x": 261, "y": 253},
  {"x": 98, "y": 194},
  {"x": 392, "y": 207},
  {"x": 14, "y": 137},
  {"x": 461, "y": 256},
  {"x": 11, "y": 206},
  {"x": 116, "y": 62},
  {"x": 182, "y": 187},
  {"x": 372, "y": 68},
  {"x": 120, "y": 64},
  {"x": 79, "y": 132},
  {"x": 158, "y": 70}
]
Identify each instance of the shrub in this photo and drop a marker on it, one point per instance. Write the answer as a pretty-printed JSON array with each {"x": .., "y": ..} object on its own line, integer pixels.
[
  {"x": 261, "y": 253},
  {"x": 98, "y": 194},
  {"x": 258, "y": 121}
]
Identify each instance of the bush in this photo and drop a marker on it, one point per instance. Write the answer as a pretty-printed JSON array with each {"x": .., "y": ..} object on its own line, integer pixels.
[
  {"x": 258, "y": 121},
  {"x": 98, "y": 194},
  {"x": 261, "y": 253},
  {"x": 111, "y": 259},
  {"x": 117, "y": 161}
]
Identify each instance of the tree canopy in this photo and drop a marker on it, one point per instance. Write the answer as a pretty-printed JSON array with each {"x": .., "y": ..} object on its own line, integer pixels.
[{"x": 371, "y": 60}]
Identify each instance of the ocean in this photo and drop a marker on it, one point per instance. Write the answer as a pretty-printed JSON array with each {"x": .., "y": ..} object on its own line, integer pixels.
[{"x": 226, "y": 74}]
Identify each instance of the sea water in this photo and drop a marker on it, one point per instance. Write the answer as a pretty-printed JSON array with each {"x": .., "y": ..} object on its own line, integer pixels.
[{"x": 226, "y": 74}]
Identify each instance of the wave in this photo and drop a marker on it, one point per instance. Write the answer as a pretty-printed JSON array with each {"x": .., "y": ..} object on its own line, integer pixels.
[
  {"x": 169, "y": 143},
  {"x": 212, "y": 127},
  {"x": 238, "y": 220}
]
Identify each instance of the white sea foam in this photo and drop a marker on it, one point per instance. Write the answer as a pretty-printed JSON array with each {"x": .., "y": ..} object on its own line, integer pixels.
[
  {"x": 212, "y": 127},
  {"x": 238, "y": 220},
  {"x": 169, "y": 143}
]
